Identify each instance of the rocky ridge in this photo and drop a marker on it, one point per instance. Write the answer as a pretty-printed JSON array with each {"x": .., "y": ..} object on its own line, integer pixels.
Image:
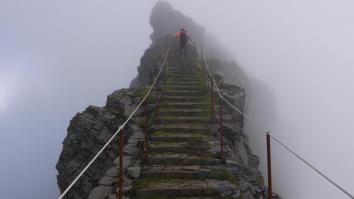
[
  {"x": 184, "y": 158},
  {"x": 89, "y": 130}
]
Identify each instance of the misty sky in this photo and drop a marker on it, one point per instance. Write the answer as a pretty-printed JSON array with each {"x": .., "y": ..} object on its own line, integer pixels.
[{"x": 58, "y": 57}]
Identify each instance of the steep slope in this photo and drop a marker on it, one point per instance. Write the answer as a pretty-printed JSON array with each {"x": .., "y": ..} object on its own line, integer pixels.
[
  {"x": 184, "y": 148},
  {"x": 89, "y": 130},
  {"x": 184, "y": 144}
]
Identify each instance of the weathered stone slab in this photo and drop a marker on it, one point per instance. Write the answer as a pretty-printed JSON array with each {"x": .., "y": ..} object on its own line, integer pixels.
[
  {"x": 134, "y": 172},
  {"x": 106, "y": 180},
  {"x": 100, "y": 192},
  {"x": 113, "y": 172}
]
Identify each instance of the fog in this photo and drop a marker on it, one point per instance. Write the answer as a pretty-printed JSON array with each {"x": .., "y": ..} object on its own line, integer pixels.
[{"x": 57, "y": 57}]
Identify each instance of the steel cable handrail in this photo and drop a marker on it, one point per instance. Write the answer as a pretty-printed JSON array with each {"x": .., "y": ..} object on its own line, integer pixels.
[
  {"x": 258, "y": 125},
  {"x": 222, "y": 97},
  {"x": 119, "y": 129},
  {"x": 311, "y": 166}
]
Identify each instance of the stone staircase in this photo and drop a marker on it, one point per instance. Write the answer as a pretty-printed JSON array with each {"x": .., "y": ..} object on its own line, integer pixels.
[{"x": 183, "y": 155}]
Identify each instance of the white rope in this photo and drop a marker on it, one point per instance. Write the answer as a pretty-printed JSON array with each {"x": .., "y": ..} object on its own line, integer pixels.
[{"x": 119, "y": 129}]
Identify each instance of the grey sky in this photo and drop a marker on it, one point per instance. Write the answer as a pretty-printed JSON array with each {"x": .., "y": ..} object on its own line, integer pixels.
[{"x": 57, "y": 57}]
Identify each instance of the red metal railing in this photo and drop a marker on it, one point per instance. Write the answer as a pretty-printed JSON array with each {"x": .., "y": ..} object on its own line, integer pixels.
[
  {"x": 269, "y": 168},
  {"x": 146, "y": 131},
  {"x": 221, "y": 131},
  {"x": 157, "y": 103},
  {"x": 212, "y": 108},
  {"x": 205, "y": 70},
  {"x": 121, "y": 165}
]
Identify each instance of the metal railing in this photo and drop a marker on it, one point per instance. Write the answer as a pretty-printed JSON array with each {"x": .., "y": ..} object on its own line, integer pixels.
[{"x": 213, "y": 84}]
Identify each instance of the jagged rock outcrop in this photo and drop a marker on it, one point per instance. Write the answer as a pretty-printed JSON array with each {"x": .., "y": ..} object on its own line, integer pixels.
[
  {"x": 167, "y": 21},
  {"x": 87, "y": 133},
  {"x": 231, "y": 72},
  {"x": 183, "y": 131},
  {"x": 150, "y": 62}
]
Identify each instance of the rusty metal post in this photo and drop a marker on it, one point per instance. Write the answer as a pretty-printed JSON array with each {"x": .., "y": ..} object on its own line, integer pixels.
[
  {"x": 212, "y": 97},
  {"x": 121, "y": 165},
  {"x": 166, "y": 71},
  {"x": 157, "y": 105},
  {"x": 203, "y": 67},
  {"x": 221, "y": 131},
  {"x": 269, "y": 166},
  {"x": 203, "y": 71},
  {"x": 146, "y": 130}
]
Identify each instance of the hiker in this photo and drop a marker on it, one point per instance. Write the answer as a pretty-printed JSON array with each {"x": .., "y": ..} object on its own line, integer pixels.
[{"x": 183, "y": 38}]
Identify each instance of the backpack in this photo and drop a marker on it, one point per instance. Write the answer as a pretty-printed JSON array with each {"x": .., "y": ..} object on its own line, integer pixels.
[{"x": 183, "y": 37}]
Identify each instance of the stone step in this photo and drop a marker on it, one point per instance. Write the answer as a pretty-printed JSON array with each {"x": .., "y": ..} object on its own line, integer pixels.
[
  {"x": 178, "y": 136},
  {"x": 178, "y": 147},
  {"x": 184, "y": 70},
  {"x": 191, "y": 88},
  {"x": 183, "y": 79},
  {"x": 178, "y": 74},
  {"x": 185, "y": 105},
  {"x": 183, "y": 75},
  {"x": 182, "y": 99},
  {"x": 184, "y": 112},
  {"x": 196, "y": 172},
  {"x": 185, "y": 93},
  {"x": 182, "y": 119},
  {"x": 182, "y": 159},
  {"x": 188, "y": 188},
  {"x": 183, "y": 83},
  {"x": 184, "y": 128}
]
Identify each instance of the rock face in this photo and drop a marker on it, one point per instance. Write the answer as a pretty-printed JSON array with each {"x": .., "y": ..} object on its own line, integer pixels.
[
  {"x": 87, "y": 133},
  {"x": 185, "y": 115},
  {"x": 184, "y": 158},
  {"x": 150, "y": 63},
  {"x": 229, "y": 71},
  {"x": 167, "y": 21}
]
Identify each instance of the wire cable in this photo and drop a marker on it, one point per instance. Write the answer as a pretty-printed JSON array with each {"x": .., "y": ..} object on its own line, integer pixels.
[
  {"x": 119, "y": 129},
  {"x": 310, "y": 165},
  {"x": 237, "y": 109},
  {"x": 275, "y": 139}
]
